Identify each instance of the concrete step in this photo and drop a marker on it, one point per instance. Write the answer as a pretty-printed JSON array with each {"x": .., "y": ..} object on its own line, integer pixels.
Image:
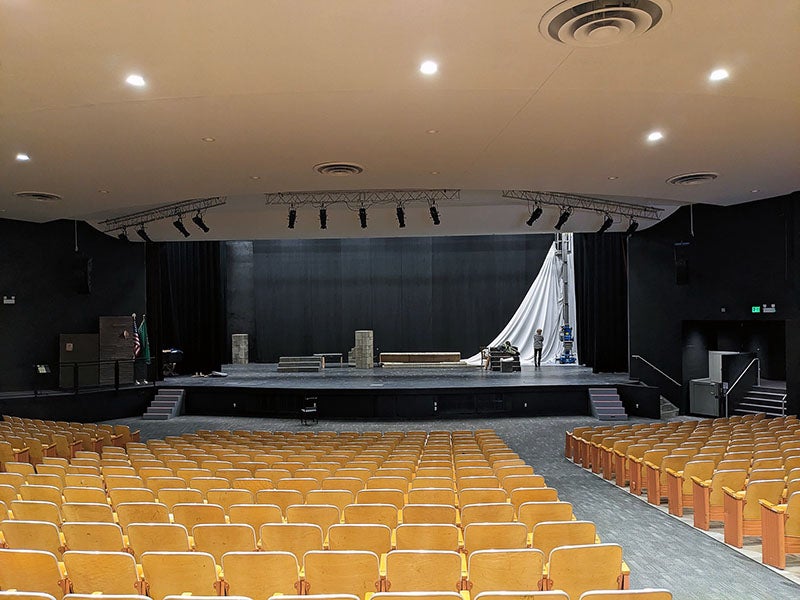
[
  {"x": 615, "y": 417},
  {"x": 170, "y": 392},
  {"x": 158, "y": 402},
  {"x": 155, "y": 417},
  {"x": 744, "y": 411},
  {"x": 765, "y": 400}
]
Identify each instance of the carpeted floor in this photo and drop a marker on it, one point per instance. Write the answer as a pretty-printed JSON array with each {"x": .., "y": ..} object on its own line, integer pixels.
[{"x": 661, "y": 551}]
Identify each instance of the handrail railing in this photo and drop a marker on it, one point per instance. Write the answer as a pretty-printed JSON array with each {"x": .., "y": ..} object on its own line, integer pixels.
[
  {"x": 738, "y": 379},
  {"x": 652, "y": 366},
  {"x": 745, "y": 370}
]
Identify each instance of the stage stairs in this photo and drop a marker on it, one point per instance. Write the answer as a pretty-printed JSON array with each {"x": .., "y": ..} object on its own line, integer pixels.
[
  {"x": 763, "y": 399},
  {"x": 668, "y": 409},
  {"x": 606, "y": 405},
  {"x": 166, "y": 404},
  {"x": 300, "y": 364}
]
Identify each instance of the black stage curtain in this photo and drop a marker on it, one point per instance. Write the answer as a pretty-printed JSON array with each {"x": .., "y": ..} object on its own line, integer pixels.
[
  {"x": 186, "y": 303},
  {"x": 601, "y": 293}
]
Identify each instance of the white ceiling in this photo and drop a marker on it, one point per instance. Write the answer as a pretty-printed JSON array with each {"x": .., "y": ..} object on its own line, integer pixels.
[{"x": 285, "y": 84}]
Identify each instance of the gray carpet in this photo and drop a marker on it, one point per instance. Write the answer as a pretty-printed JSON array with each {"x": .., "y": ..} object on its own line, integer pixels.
[{"x": 661, "y": 551}]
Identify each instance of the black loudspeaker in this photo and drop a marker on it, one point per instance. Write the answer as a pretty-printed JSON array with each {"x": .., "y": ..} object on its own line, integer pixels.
[
  {"x": 682, "y": 263},
  {"x": 83, "y": 274}
]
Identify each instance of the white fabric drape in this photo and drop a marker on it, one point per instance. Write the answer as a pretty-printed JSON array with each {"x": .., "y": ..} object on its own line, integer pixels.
[{"x": 541, "y": 309}]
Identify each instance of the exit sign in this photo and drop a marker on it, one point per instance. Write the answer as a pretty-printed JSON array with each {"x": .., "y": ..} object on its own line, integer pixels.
[{"x": 763, "y": 309}]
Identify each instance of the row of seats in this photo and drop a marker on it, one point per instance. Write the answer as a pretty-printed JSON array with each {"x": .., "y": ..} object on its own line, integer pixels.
[
  {"x": 256, "y": 575},
  {"x": 649, "y": 594},
  {"x": 454, "y": 528},
  {"x": 741, "y": 471},
  {"x": 31, "y": 440}
]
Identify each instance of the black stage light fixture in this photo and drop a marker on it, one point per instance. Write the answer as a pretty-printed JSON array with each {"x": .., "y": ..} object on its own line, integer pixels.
[
  {"x": 537, "y": 212},
  {"x": 634, "y": 225},
  {"x": 401, "y": 217},
  {"x": 123, "y": 235},
  {"x": 198, "y": 220},
  {"x": 435, "y": 215},
  {"x": 292, "y": 217},
  {"x": 362, "y": 217},
  {"x": 178, "y": 224},
  {"x": 142, "y": 233},
  {"x": 606, "y": 224},
  {"x": 323, "y": 218},
  {"x": 563, "y": 218}
]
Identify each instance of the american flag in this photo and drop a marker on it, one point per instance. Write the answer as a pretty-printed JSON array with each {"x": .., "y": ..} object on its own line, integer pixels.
[{"x": 137, "y": 343}]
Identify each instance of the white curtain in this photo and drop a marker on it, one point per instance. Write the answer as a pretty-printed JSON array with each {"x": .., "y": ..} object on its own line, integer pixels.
[{"x": 541, "y": 309}]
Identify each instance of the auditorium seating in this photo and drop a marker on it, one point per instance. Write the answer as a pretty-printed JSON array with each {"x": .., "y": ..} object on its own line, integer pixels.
[
  {"x": 740, "y": 471},
  {"x": 257, "y": 514}
]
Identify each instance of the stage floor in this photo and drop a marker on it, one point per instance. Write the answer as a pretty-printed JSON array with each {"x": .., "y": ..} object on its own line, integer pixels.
[{"x": 414, "y": 378}]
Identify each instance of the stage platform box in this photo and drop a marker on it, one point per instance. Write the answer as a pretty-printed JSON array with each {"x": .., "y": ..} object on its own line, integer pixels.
[{"x": 408, "y": 359}]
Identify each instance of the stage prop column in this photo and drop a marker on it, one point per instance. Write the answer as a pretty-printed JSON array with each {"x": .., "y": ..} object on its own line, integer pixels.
[
  {"x": 240, "y": 352},
  {"x": 363, "y": 349}
]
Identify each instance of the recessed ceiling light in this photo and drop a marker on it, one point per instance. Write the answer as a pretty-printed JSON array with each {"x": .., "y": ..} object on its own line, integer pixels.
[
  {"x": 135, "y": 80},
  {"x": 103, "y": 191},
  {"x": 428, "y": 67},
  {"x": 432, "y": 131},
  {"x": 754, "y": 191},
  {"x": 654, "y": 136},
  {"x": 255, "y": 177},
  {"x": 209, "y": 139},
  {"x": 718, "y": 75},
  {"x": 612, "y": 177},
  {"x": 434, "y": 172},
  {"x": 22, "y": 157}
]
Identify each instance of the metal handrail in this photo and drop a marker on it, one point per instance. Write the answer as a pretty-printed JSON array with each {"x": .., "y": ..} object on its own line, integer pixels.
[
  {"x": 745, "y": 370},
  {"x": 738, "y": 379},
  {"x": 647, "y": 362}
]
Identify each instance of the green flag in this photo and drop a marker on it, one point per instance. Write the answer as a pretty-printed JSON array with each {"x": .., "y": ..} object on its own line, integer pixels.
[{"x": 144, "y": 341}]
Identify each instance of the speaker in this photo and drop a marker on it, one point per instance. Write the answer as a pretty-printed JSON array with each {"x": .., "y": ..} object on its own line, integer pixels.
[
  {"x": 682, "y": 263},
  {"x": 83, "y": 274}
]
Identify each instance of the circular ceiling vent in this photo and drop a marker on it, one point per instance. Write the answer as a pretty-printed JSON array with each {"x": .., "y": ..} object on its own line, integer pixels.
[
  {"x": 601, "y": 22},
  {"x": 338, "y": 169},
  {"x": 693, "y": 178},
  {"x": 38, "y": 196}
]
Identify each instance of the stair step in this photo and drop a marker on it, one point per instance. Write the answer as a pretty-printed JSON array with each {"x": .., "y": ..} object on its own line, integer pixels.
[
  {"x": 743, "y": 411},
  {"x": 159, "y": 402},
  {"x": 155, "y": 417},
  {"x": 770, "y": 401},
  {"x": 617, "y": 417}
]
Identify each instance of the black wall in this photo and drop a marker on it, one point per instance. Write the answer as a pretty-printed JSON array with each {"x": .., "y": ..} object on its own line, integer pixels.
[
  {"x": 417, "y": 294},
  {"x": 739, "y": 256},
  {"x": 38, "y": 265}
]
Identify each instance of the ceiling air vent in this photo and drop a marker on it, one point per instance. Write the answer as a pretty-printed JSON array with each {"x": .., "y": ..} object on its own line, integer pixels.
[
  {"x": 38, "y": 196},
  {"x": 601, "y": 22},
  {"x": 338, "y": 169},
  {"x": 693, "y": 178}
]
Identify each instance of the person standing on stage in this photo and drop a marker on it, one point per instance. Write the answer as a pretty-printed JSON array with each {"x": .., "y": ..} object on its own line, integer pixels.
[{"x": 538, "y": 344}]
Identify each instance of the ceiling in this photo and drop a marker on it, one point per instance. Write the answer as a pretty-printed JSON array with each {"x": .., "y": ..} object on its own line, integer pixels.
[{"x": 282, "y": 85}]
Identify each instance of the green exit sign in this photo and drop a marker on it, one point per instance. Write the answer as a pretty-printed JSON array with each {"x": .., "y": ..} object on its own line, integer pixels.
[{"x": 756, "y": 309}]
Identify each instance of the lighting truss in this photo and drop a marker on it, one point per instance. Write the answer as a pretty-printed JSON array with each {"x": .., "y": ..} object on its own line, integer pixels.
[
  {"x": 360, "y": 199},
  {"x": 577, "y": 202},
  {"x": 167, "y": 211}
]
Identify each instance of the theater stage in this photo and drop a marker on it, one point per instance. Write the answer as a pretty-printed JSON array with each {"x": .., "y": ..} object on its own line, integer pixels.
[{"x": 406, "y": 393}]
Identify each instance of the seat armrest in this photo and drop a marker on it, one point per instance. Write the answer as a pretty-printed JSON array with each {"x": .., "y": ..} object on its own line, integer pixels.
[
  {"x": 776, "y": 508},
  {"x": 647, "y": 463},
  {"x": 706, "y": 483},
  {"x": 733, "y": 494}
]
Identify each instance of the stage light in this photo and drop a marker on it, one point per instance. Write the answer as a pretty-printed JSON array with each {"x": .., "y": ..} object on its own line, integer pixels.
[
  {"x": 563, "y": 218},
  {"x": 323, "y": 218},
  {"x": 606, "y": 224},
  {"x": 537, "y": 212},
  {"x": 632, "y": 227},
  {"x": 123, "y": 235},
  {"x": 292, "y": 217},
  {"x": 362, "y": 217},
  {"x": 178, "y": 224},
  {"x": 198, "y": 220},
  {"x": 435, "y": 215},
  {"x": 142, "y": 233},
  {"x": 401, "y": 217}
]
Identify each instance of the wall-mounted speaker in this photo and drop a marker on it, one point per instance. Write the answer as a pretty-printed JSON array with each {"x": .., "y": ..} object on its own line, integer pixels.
[
  {"x": 83, "y": 274},
  {"x": 682, "y": 263}
]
